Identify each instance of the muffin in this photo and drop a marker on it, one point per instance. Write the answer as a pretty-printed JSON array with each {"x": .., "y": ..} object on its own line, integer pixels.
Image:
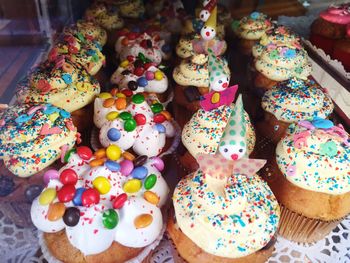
[
  {"x": 62, "y": 84},
  {"x": 223, "y": 211},
  {"x": 290, "y": 102},
  {"x": 138, "y": 122},
  {"x": 250, "y": 29},
  {"x": 310, "y": 179},
  {"x": 101, "y": 207},
  {"x": 203, "y": 133},
  {"x": 33, "y": 136},
  {"x": 281, "y": 62}
]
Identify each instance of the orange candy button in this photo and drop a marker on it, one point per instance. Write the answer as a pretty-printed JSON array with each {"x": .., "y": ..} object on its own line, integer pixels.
[
  {"x": 96, "y": 162},
  {"x": 108, "y": 103},
  {"x": 56, "y": 211},
  {"x": 151, "y": 197},
  {"x": 128, "y": 156},
  {"x": 166, "y": 114},
  {"x": 120, "y": 103},
  {"x": 143, "y": 220},
  {"x": 100, "y": 153}
]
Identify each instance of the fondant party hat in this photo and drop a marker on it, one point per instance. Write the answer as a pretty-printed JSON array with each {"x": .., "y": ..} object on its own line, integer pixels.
[
  {"x": 208, "y": 7},
  {"x": 208, "y": 31},
  {"x": 218, "y": 78}
]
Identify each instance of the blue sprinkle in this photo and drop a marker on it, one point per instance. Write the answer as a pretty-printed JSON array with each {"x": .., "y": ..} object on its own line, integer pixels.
[{"x": 67, "y": 78}]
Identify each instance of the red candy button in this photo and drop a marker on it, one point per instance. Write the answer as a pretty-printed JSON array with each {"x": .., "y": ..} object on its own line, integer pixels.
[
  {"x": 159, "y": 118},
  {"x": 127, "y": 92},
  {"x": 140, "y": 119},
  {"x": 139, "y": 71},
  {"x": 132, "y": 35},
  {"x": 68, "y": 176},
  {"x": 90, "y": 197},
  {"x": 66, "y": 193},
  {"x": 120, "y": 200},
  {"x": 130, "y": 58},
  {"x": 84, "y": 152}
]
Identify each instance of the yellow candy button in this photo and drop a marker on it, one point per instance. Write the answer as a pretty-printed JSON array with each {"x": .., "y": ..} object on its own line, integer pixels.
[
  {"x": 124, "y": 63},
  {"x": 151, "y": 197},
  {"x": 112, "y": 115},
  {"x": 113, "y": 152},
  {"x": 120, "y": 95},
  {"x": 102, "y": 185},
  {"x": 158, "y": 75},
  {"x": 132, "y": 186},
  {"x": 105, "y": 95},
  {"x": 83, "y": 86},
  {"x": 215, "y": 98},
  {"x": 47, "y": 196},
  {"x": 143, "y": 220}
]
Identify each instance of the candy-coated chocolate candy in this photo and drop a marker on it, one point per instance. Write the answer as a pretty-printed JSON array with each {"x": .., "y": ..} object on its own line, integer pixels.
[
  {"x": 149, "y": 75},
  {"x": 158, "y": 75},
  {"x": 127, "y": 92},
  {"x": 113, "y": 152},
  {"x": 156, "y": 107},
  {"x": 130, "y": 58},
  {"x": 160, "y": 128},
  {"x": 105, "y": 95},
  {"x": 151, "y": 197},
  {"x": 126, "y": 72},
  {"x": 124, "y": 63},
  {"x": 113, "y": 134},
  {"x": 102, "y": 184},
  {"x": 68, "y": 154},
  {"x": 143, "y": 43},
  {"x": 112, "y": 115},
  {"x": 125, "y": 115},
  {"x": 96, "y": 162},
  {"x": 112, "y": 166},
  {"x": 100, "y": 153},
  {"x": 139, "y": 172},
  {"x": 84, "y": 152},
  {"x": 47, "y": 196},
  {"x": 71, "y": 216},
  {"x": 138, "y": 98},
  {"x": 142, "y": 82},
  {"x": 68, "y": 176},
  {"x": 138, "y": 63},
  {"x": 126, "y": 167},
  {"x": 50, "y": 175},
  {"x": 56, "y": 211},
  {"x": 125, "y": 41},
  {"x": 120, "y": 95},
  {"x": 120, "y": 103},
  {"x": 128, "y": 156},
  {"x": 132, "y": 85},
  {"x": 66, "y": 193},
  {"x": 139, "y": 71},
  {"x": 158, "y": 163},
  {"x": 159, "y": 118},
  {"x": 143, "y": 220},
  {"x": 215, "y": 98},
  {"x": 132, "y": 186},
  {"x": 77, "y": 197},
  {"x": 108, "y": 103},
  {"x": 132, "y": 35},
  {"x": 149, "y": 43},
  {"x": 140, "y": 119},
  {"x": 90, "y": 197},
  {"x": 110, "y": 218},
  {"x": 114, "y": 91},
  {"x": 140, "y": 160},
  {"x": 147, "y": 65},
  {"x": 130, "y": 125},
  {"x": 120, "y": 200},
  {"x": 30, "y": 193},
  {"x": 166, "y": 114},
  {"x": 150, "y": 181}
]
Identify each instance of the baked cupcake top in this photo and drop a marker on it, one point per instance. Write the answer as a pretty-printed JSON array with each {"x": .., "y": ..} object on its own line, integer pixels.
[
  {"x": 103, "y": 198},
  {"x": 108, "y": 19},
  {"x": 283, "y": 62},
  {"x": 295, "y": 100},
  {"x": 32, "y": 137},
  {"x": 138, "y": 75},
  {"x": 139, "y": 122},
  {"x": 338, "y": 14},
  {"x": 252, "y": 27},
  {"x": 152, "y": 47},
  {"x": 315, "y": 155},
  {"x": 132, "y": 9},
  {"x": 61, "y": 83},
  {"x": 279, "y": 35},
  {"x": 88, "y": 30}
]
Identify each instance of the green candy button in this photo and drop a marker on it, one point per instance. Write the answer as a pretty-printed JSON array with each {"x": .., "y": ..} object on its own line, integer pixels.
[{"x": 110, "y": 219}]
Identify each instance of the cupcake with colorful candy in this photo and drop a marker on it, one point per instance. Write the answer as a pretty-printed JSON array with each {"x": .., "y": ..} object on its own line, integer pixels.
[
  {"x": 138, "y": 122},
  {"x": 61, "y": 83},
  {"x": 224, "y": 212},
  {"x": 151, "y": 46},
  {"x": 250, "y": 29},
  {"x": 101, "y": 207},
  {"x": 310, "y": 178},
  {"x": 33, "y": 136},
  {"x": 138, "y": 75},
  {"x": 292, "y": 101}
]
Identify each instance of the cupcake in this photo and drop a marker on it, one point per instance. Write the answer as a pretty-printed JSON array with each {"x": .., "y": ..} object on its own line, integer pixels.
[
  {"x": 137, "y": 76},
  {"x": 250, "y": 29},
  {"x": 139, "y": 123},
  {"x": 281, "y": 62},
  {"x": 62, "y": 84},
  {"x": 33, "y": 136},
  {"x": 205, "y": 130},
  {"x": 101, "y": 207},
  {"x": 152, "y": 47},
  {"x": 290, "y": 102},
  {"x": 224, "y": 212},
  {"x": 134, "y": 9},
  {"x": 332, "y": 24},
  {"x": 311, "y": 179}
]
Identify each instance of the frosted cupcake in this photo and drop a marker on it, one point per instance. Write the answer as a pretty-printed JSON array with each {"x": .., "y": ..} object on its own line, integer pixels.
[
  {"x": 101, "y": 207},
  {"x": 292, "y": 101},
  {"x": 250, "y": 29},
  {"x": 310, "y": 179},
  {"x": 224, "y": 212},
  {"x": 33, "y": 136}
]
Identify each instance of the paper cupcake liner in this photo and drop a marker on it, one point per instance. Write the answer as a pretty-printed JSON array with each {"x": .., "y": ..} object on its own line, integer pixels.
[{"x": 298, "y": 228}]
